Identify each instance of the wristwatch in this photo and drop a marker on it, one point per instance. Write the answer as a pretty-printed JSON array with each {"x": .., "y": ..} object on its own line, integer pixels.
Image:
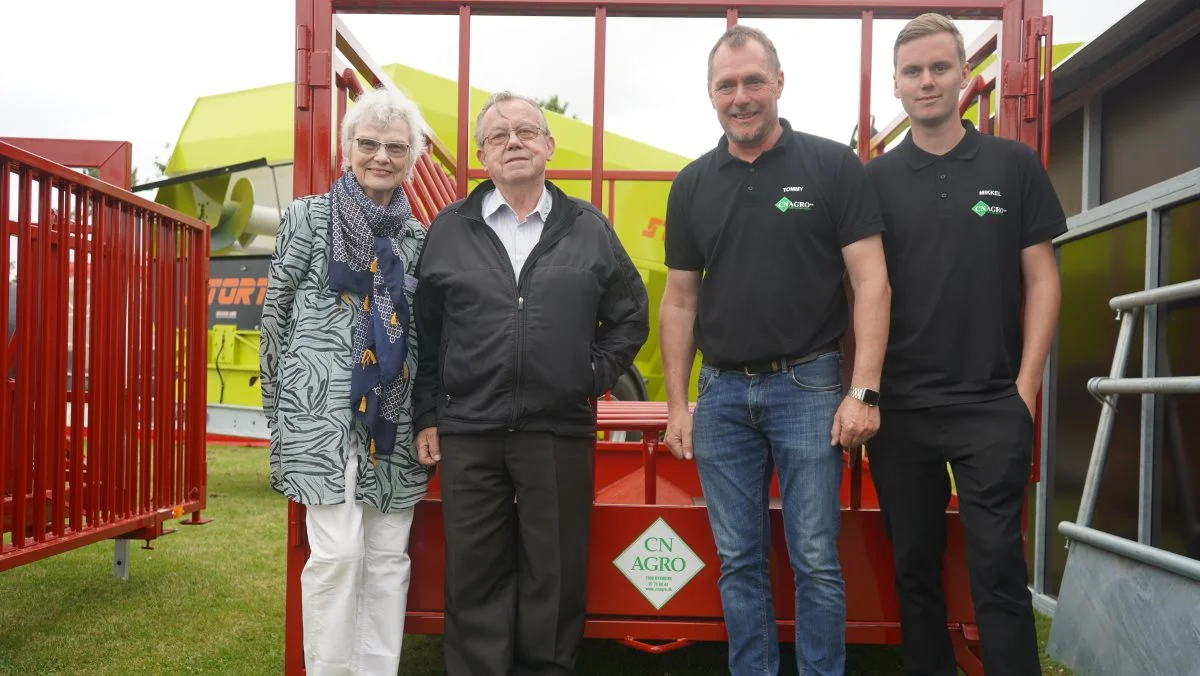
[{"x": 868, "y": 397}]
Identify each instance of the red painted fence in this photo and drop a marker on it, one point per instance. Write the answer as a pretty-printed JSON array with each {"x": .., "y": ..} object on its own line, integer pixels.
[{"x": 103, "y": 413}]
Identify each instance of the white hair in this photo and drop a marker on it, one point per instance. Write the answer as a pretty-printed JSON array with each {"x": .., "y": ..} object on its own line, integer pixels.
[
  {"x": 500, "y": 97},
  {"x": 380, "y": 108}
]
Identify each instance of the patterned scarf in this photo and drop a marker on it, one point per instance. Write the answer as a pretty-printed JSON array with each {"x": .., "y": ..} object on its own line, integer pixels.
[{"x": 365, "y": 259}]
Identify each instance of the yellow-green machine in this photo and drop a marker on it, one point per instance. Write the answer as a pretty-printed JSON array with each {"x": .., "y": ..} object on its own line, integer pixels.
[{"x": 236, "y": 151}]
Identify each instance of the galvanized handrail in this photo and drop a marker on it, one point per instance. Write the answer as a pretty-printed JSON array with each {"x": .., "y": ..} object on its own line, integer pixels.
[
  {"x": 1180, "y": 565},
  {"x": 1129, "y": 309}
]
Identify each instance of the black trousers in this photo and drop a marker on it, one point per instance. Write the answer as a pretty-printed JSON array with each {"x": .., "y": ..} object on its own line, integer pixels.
[
  {"x": 515, "y": 571},
  {"x": 989, "y": 446}
]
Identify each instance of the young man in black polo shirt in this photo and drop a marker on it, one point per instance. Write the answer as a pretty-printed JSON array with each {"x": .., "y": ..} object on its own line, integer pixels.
[
  {"x": 760, "y": 234},
  {"x": 969, "y": 222}
]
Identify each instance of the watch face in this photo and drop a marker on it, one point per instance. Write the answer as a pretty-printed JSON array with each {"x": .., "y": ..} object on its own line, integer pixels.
[{"x": 871, "y": 397}]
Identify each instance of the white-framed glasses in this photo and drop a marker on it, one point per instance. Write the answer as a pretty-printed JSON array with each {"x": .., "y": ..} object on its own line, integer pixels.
[{"x": 370, "y": 146}]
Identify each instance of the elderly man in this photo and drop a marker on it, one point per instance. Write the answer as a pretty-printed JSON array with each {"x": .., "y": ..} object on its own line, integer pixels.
[
  {"x": 528, "y": 308},
  {"x": 761, "y": 232}
]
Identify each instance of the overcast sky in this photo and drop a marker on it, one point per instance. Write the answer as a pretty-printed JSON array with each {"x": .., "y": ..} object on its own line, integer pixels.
[{"x": 131, "y": 70}]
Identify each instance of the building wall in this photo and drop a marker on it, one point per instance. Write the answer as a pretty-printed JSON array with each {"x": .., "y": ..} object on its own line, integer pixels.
[{"x": 1151, "y": 124}]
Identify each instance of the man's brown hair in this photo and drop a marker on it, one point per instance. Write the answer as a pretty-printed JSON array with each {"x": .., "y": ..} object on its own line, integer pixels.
[{"x": 924, "y": 25}]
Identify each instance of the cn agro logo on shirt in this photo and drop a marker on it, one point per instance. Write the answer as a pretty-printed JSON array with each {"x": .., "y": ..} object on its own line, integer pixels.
[
  {"x": 982, "y": 208},
  {"x": 785, "y": 205}
]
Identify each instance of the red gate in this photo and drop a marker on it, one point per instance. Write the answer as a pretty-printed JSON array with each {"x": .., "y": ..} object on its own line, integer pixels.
[
  {"x": 636, "y": 485},
  {"x": 102, "y": 420}
]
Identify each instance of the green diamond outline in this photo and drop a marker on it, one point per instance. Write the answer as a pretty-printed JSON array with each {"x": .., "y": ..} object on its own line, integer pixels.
[
  {"x": 783, "y": 204},
  {"x": 658, "y": 606},
  {"x": 980, "y": 208}
]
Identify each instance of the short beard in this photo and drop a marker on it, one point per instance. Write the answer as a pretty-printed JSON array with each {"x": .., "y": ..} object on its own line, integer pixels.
[{"x": 755, "y": 136}]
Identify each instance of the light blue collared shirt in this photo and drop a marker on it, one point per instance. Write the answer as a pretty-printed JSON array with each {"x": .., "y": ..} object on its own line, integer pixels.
[{"x": 518, "y": 238}]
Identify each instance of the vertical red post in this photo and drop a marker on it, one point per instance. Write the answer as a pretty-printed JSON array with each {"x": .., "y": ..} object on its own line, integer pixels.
[
  {"x": 864, "y": 87},
  {"x": 25, "y": 280},
  {"x": 1047, "y": 77},
  {"x": 92, "y": 365},
  {"x": 79, "y": 247},
  {"x": 58, "y": 310},
  {"x": 464, "y": 99},
  {"x": 985, "y": 112},
  {"x": 612, "y": 201},
  {"x": 598, "y": 111},
  {"x": 39, "y": 352},
  {"x": 5, "y": 418},
  {"x": 145, "y": 381},
  {"x": 731, "y": 17},
  {"x": 1012, "y": 34}
]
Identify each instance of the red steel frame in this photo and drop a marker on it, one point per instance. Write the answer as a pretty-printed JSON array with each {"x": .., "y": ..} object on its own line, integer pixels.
[
  {"x": 131, "y": 454},
  {"x": 636, "y": 483}
]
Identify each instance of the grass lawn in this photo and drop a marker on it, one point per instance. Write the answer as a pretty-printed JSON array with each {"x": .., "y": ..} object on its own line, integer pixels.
[{"x": 210, "y": 599}]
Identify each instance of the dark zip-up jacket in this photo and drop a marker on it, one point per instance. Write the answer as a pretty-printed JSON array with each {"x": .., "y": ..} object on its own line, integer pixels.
[{"x": 497, "y": 355}]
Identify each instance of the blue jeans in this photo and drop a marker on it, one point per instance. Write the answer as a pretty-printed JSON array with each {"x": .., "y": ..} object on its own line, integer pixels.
[{"x": 743, "y": 425}]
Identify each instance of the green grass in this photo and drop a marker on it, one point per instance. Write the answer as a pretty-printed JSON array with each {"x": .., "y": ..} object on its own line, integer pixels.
[{"x": 209, "y": 600}]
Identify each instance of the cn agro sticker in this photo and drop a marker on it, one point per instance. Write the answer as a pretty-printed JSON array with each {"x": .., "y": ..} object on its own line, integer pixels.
[{"x": 659, "y": 563}]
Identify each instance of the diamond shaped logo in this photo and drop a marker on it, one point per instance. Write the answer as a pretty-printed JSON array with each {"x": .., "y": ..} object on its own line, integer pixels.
[
  {"x": 783, "y": 204},
  {"x": 980, "y": 208},
  {"x": 659, "y": 563}
]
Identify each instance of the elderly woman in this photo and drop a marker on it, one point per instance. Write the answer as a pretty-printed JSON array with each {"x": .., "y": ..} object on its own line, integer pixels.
[{"x": 338, "y": 355}]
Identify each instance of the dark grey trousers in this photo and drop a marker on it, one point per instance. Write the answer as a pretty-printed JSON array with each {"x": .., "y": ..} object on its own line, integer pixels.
[{"x": 515, "y": 570}]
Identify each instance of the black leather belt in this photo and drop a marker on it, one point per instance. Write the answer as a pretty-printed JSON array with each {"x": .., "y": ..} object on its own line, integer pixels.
[{"x": 765, "y": 366}]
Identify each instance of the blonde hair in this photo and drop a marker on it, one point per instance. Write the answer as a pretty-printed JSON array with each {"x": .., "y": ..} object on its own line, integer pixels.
[{"x": 929, "y": 24}]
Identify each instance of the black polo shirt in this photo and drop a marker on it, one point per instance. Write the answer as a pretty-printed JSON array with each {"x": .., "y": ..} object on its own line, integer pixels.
[
  {"x": 956, "y": 225},
  {"x": 768, "y": 236}
]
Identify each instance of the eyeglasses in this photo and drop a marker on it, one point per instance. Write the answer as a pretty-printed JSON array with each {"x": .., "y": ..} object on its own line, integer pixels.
[
  {"x": 370, "y": 146},
  {"x": 500, "y": 137}
]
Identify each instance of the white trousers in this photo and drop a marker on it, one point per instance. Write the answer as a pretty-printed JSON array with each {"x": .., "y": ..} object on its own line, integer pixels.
[{"x": 354, "y": 587}]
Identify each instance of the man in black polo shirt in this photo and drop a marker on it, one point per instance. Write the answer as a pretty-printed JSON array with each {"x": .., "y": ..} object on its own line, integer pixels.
[
  {"x": 761, "y": 232},
  {"x": 969, "y": 222}
]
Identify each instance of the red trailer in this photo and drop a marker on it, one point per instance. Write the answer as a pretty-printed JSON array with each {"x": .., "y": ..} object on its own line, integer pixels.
[{"x": 648, "y": 514}]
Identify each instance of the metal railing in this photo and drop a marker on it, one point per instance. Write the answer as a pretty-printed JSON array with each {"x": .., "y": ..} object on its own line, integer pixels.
[{"x": 102, "y": 421}]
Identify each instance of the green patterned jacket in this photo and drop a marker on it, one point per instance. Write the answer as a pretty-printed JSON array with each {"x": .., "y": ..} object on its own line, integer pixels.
[{"x": 305, "y": 369}]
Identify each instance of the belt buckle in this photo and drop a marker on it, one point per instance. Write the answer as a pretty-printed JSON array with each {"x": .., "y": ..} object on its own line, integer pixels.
[{"x": 775, "y": 367}]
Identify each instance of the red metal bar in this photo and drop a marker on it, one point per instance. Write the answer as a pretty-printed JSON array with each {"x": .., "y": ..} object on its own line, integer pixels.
[
  {"x": 464, "y": 98},
  {"x": 95, "y": 399},
  {"x": 178, "y": 363},
  {"x": 442, "y": 185},
  {"x": 38, "y": 351},
  {"x": 83, "y": 216},
  {"x": 145, "y": 381},
  {"x": 586, "y": 174},
  {"x": 985, "y": 110},
  {"x": 829, "y": 9},
  {"x": 57, "y": 310},
  {"x": 731, "y": 17},
  {"x": 5, "y": 391},
  {"x": 1047, "y": 82},
  {"x": 864, "y": 88},
  {"x": 598, "y": 110},
  {"x": 612, "y": 200},
  {"x": 341, "y": 115},
  {"x": 1008, "y": 114},
  {"x": 113, "y": 159}
]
